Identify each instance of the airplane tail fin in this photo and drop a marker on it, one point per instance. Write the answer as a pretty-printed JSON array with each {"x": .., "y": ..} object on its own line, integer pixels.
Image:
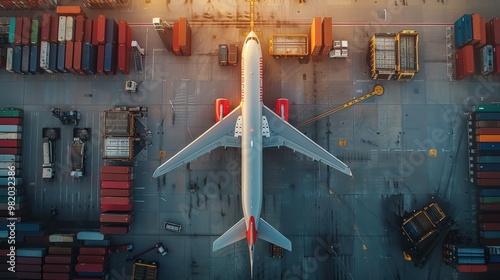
[
  {"x": 234, "y": 234},
  {"x": 271, "y": 235}
]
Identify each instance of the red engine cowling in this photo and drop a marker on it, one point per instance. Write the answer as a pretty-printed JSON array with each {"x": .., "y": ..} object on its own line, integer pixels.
[
  {"x": 221, "y": 108},
  {"x": 282, "y": 108}
]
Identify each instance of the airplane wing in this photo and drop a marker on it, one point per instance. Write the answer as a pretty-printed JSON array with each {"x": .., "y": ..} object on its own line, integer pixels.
[
  {"x": 284, "y": 134},
  {"x": 220, "y": 134}
]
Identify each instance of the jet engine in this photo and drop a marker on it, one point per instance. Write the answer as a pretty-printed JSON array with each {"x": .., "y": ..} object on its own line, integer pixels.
[
  {"x": 221, "y": 108},
  {"x": 282, "y": 108}
]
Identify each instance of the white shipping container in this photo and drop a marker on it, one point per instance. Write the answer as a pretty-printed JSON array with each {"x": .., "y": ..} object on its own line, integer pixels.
[
  {"x": 7, "y": 164},
  {"x": 8, "y": 62},
  {"x": 10, "y": 158},
  {"x": 117, "y": 147},
  {"x": 61, "y": 34},
  {"x": 45, "y": 56},
  {"x": 70, "y": 28},
  {"x": 8, "y": 173},
  {"x": 11, "y": 128},
  {"x": 10, "y": 135}
]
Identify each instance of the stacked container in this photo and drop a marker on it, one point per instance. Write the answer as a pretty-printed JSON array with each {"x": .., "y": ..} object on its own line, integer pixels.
[
  {"x": 27, "y": 4},
  {"x": 30, "y": 263},
  {"x": 181, "y": 38},
  {"x": 327, "y": 36},
  {"x": 116, "y": 199},
  {"x": 105, "y": 4},
  {"x": 494, "y": 258},
  {"x": 59, "y": 263},
  {"x": 11, "y": 125},
  {"x": 484, "y": 169},
  {"x": 465, "y": 258},
  {"x": 124, "y": 47},
  {"x": 316, "y": 35},
  {"x": 92, "y": 262}
]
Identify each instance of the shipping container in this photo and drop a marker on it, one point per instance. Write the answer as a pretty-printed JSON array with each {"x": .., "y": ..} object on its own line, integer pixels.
[
  {"x": 25, "y": 60},
  {"x": 9, "y": 60},
  {"x": 57, "y": 276},
  {"x": 175, "y": 45},
  {"x": 494, "y": 34},
  {"x": 61, "y": 31},
  {"x": 101, "y": 29},
  {"x": 122, "y": 32},
  {"x": 490, "y": 124},
  {"x": 16, "y": 59},
  {"x": 489, "y": 192},
  {"x": 87, "y": 34},
  {"x": 35, "y": 32},
  {"x": 117, "y": 200},
  {"x": 70, "y": 29},
  {"x": 99, "y": 251},
  {"x": 407, "y": 55},
  {"x": 79, "y": 28},
  {"x": 61, "y": 57},
  {"x": 487, "y": 138},
  {"x": 12, "y": 29},
  {"x": 31, "y": 252},
  {"x": 69, "y": 10},
  {"x": 114, "y": 177},
  {"x": 476, "y": 29},
  {"x": 467, "y": 28},
  {"x": 232, "y": 54},
  {"x": 116, "y": 169},
  {"x": 118, "y": 123},
  {"x": 121, "y": 58},
  {"x": 116, "y": 207},
  {"x": 29, "y": 260},
  {"x": 59, "y": 250},
  {"x": 90, "y": 267},
  {"x": 60, "y": 268},
  {"x": 89, "y": 58},
  {"x": 487, "y": 159},
  {"x": 496, "y": 59},
  {"x": 482, "y": 167},
  {"x": 118, "y": 148},
  {"x": 59, "y": 259},
  {"x": 30, "y": 226},
  {"x": 77, "y": 58},
  {"x": 7, "y": 143},
  {"x": 100, "y": 59},
  {"x": 114, "y": 229},
  {"x": 53, "y": 57},
  {"x": 111, "y": 31},
  {"x": 13, "y": 151},
  {"x": 487, "y": 131},
  {"x": 184, "y": 36},
  {"x": 68, "y": 61},
  {"x": 45, "y": 31},
  {"x": 97, "y": 243},
  {"x": 117, "y": 192},
  {"x": 116, "y": 218},
  {"x": 459, "y": 33},
  {"x": 89, "y": 235},
  {"x": 95, "y": 28},
  {"x": 483, "y": 39},
  {"x": 54, "y": 29},
  {"x": 383, "y": 56},
  {"x": 489, "y": 234},
  {"x": 11, "y": 121},
  {"x": 488, "y": 175},
  {"x": 327, "y": 35},
  {"x": 488, "y": 182},
  {"x": 28, "y": 275},
  {"x": 92, "y": 259},
  {"x": 464, "y": 62},
  {"x": 109, "y": 59},
  {"x": 115, "y": 185},
  {"x": 10, "y": 158},
  {"x": 45, "y": 56},
  {"x": 26, "y": 31},
  {"x": 487, "y": 226},
  {"x": 489, "y": 199},
  {"x": 11, "y": 128},
  {"x": 486, "y": 59},
  {"x": 29, "y": 268},
  {"x": 34, "y": 66},
  {"x": 18, "y": 31},
  {"x": 316, "y": 42}
]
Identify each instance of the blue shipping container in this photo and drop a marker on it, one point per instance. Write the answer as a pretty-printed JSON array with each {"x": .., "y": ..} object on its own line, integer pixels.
[
  {"x": 12, "y": 29},
  {"x": 495, "y": 258},
  {"x": 53, "y": 57},
  {"x": 458, "y": 34},
  {"x": 470, "y": 260},
  {"x": 489, "y": 192},
  {"x": 90, "y": 235},
  {"x": 486, "y": 116},
  {"x": 488, "y": 159},
  {"x": 490, "y": 234},
  {"x": 25, "y": 60},
  {"x": 89, "y": 58},
  {"x": 16, "y": 59},
  {"x": 489, "y": 146},
  {"x": 32, "y": 252},
  {"x": 10, "y": 158},
  {"x": 61, "y": 57},
  {"x": 488, "y": 167},
  {"x": 5, "y": 182},
  {"x": 31, "y": 226},
  {"x": 109, "y": 58},
  {"x": 34, "y": 62},
  {"x": 470, "y": 250},
  {"x": 467, "y": 28},
  {"x": 111, "y": 31}
]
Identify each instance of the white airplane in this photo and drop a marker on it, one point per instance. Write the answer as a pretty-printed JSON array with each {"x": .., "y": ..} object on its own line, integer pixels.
[{"x": 251, "y": 126}]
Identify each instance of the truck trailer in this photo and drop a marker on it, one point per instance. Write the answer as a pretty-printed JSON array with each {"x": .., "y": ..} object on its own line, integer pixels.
[
  {"x": 382, "y": 54},
  {"x": 78, "y": 148},
  {"x": 49, "y": 136},
  {"x": 407, "y": 55}
]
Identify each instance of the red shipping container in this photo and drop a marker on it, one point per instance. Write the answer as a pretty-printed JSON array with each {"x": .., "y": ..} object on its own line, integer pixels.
[
  {"x": 482, "y": 41},
  {"x": 68, "y": 62},
  {"x": 476, "y": 29},
  {"x": 488, "y": 131},
  {"x": 115, "y": 218},
  {"x": 489, "y": 206},
  {"x": 489, "y": 218},
  {"x": 495, "y": 31},
  {"x": 45, "y": 30},
  {"x": 175, "y": 34},
  {"x": 121, "y": 58},
  {"x": 115, "y": 185},
  {"x": 129, "y": 47},
  {"x": 488, "y": 182},
  {"x": 489, "y": 226},
  {"x": 79, "y": 28},
  {"x": 496, "y": 59},
  {"x": 10, "y": 151},
  {"x": 114, "y": 230},
  {"x": 69, "y": 10},
  {"x": 28, "y": 275},
  {"x": 100, "y": 59},
  {"x": 90, "y": 267},
  {"x": 29, "y": 267},
  {"x": 92, "y": 259},
  {"x": 87, "y": 33},
  {"x": 115, "y": 192},
  {"x": 61, "y": 268},
  {"x": 11, "y": 121},
  {"x": 94, "y": 32},
  {"x": 101, "y": 29},
  {"x": 57, "y": 276},
  {"x": 10, "y": 143},
  {"x": 77, "y": 58},
  {"x": 100, "y": 251},
  {"x": 54, "y": 29},
  {"x": 28, "y": 260},
  {"x": 464, "y": 62},
  {"x": 488, "y": 174},
  {"x": 493, "y": 266},
  {"x": 58, "y": 250},
  {"x": 37, "y": 239},
  {"x": 472, "y": 268},
  {"x": 18, "y": 31},
  {"x": 116, "y": 177},
  {"x": 122, "y": 32},
  {"x": 116, "y": 169},
  {"x": 489, "y": 241},
  {"x": 26, "y": 34},
  {"x": 115, "y": 207},
  {"x": 115, "y": 200},
  {"x": 62, "y": 259}
]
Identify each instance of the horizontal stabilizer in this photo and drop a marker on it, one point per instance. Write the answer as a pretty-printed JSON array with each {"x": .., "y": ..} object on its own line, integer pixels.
[
  {"x": 234, "y": 234},
  {"x": 271, "y": 235}
]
